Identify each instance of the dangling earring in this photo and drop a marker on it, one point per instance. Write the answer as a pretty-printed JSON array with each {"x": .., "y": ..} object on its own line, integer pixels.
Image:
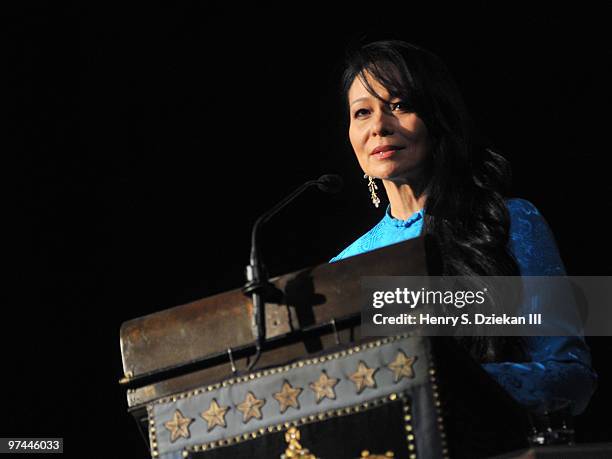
[{"x": 372, "y": 187}]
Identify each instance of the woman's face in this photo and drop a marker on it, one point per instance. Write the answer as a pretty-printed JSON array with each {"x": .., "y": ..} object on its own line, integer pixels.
[{"x": 389, "y": 141}]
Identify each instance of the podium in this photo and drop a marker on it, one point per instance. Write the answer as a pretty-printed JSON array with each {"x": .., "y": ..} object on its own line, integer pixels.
[{"x": 319, "y": 389}]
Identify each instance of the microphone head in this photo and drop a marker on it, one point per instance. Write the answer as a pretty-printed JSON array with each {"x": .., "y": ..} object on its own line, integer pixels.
[{"x": 330, "y": 183}]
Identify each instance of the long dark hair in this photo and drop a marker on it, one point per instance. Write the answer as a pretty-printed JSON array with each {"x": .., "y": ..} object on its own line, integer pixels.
[{"x": 468, "y": 181}]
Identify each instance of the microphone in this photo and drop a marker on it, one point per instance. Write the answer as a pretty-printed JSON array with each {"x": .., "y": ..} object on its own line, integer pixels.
[
  {"x": 257, "y": 278},
  {"x": 330, "y": 183}
]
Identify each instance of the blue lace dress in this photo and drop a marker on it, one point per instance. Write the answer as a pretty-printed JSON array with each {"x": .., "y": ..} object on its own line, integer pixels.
[{"x": 560, "y": 367}]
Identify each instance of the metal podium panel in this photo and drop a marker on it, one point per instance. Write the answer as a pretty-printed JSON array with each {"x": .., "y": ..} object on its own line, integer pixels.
[{"x": 382, "y": 393}]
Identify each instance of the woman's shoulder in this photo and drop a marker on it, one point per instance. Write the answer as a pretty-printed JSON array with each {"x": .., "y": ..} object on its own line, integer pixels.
[
  {"x": 532, "y": 241},
  {"x": 525, "y": 217},
  {"x": 520, "y": 206},
  {"x": 361, "y": 245}
]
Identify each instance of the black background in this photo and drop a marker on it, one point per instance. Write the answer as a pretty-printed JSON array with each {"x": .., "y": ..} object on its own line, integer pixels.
[{"x": 146, "y": 139}]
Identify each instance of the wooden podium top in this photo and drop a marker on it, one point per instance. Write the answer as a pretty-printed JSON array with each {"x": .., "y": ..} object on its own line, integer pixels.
[{"x": 158, "y": 343}]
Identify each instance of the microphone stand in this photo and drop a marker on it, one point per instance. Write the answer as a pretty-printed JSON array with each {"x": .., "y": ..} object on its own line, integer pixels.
[{"x": 258, "y": 285}]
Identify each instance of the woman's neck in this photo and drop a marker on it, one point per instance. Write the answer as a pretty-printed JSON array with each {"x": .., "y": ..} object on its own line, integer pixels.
[{"x": 405, "y": 197}]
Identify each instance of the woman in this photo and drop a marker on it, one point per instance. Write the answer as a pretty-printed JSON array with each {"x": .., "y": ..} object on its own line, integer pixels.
[{"x": 409, "y": 128}]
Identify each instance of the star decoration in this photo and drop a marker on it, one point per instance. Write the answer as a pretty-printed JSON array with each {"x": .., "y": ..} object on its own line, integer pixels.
[
  {"x": 178, "y": 426},
  {"x": 363, "y": 377},
  {"x": 324, "y": 387},
  {"x": 288, "y": 396},
  {"x": 215, "y": 415},
  {"x": 402, "y": 366},
  {"x": 251, "y": 407}
]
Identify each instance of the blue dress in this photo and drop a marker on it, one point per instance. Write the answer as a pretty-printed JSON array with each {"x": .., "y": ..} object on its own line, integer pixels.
[{"x": 560, "y": 367}]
